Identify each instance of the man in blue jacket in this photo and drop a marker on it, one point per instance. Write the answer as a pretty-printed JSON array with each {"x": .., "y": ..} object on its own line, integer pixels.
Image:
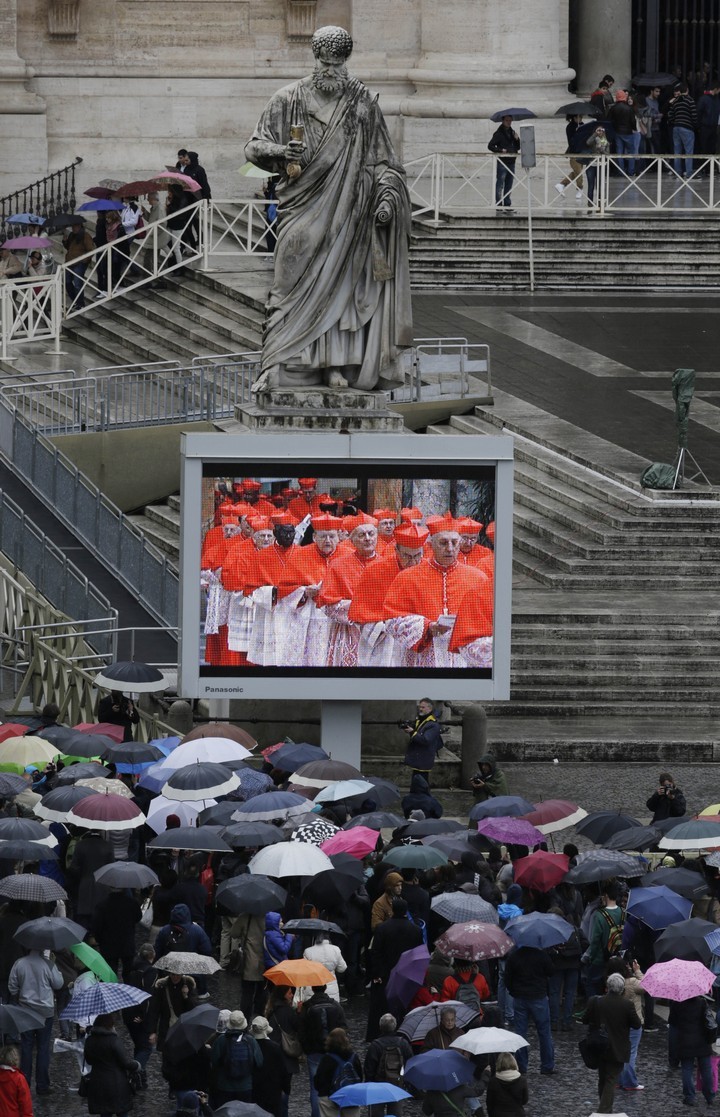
[{"x": 425, "y": 739}]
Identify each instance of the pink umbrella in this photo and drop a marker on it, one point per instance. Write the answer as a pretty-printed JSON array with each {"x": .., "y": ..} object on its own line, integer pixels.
[
  {"x": 358, "y": 842},
  {"x": 678, "y": 980},
  {"x": 28, "y": 242},
  {"x": 175, "y": 176},
  {"x": 515, "y": 831},
  {"x": 106, "y": 812},
  {"x": 102, "y": 729}
]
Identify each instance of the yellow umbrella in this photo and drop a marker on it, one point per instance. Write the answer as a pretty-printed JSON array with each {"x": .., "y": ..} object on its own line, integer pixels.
[
  {"x": 713, "y": 809},
  {"x": 18, "y": 752},
  {"x": 251, "y": 171}
]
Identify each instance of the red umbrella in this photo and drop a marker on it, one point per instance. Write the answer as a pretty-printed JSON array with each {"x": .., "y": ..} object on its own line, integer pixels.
[
  {"x": 164, "y": 177},
  {"x": 221, "y": 729},
  {"x": 102, "y": 193},
  {"x": 106, "y": 812},
  {"x": 102, "y": 729},
  {"x": 541, "y": 870},
  {"x": 555, "y": 814},
  {"x": 134, "y": 189},
  {"x": 12, "y": 729},
  {"x": 358, "y": 842}
]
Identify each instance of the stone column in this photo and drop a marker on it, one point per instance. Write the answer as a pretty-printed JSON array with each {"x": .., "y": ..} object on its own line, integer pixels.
[
  {"x": 22, "y": 113},
  {"x": 604, "y": 43}
]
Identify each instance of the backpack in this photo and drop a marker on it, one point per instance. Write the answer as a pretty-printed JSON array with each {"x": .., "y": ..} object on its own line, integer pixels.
[
  {"x": 614, "y": 942},
  {"x": 345, "y": 1075},
  {"x": 238, "y": 1057},
  {"x": 659, "y": 475},
  {"x": 390, "y": 1067},
  {"x": 468, "y": 995}
]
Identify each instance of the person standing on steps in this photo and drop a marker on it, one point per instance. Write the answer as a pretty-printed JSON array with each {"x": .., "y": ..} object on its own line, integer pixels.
[{"x": 505, "y": 142}]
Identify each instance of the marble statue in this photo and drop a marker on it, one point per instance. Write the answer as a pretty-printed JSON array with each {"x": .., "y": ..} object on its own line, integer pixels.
[{"x": 339, "y": 309}]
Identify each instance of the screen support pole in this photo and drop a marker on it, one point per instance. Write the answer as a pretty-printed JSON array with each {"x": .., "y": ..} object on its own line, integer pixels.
[{"x": 340, "y": 730}]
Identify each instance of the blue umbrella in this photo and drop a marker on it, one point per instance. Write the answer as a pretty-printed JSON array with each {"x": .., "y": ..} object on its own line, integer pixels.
[
  {"x": 368, "y": 1093},
  {"x": 293, "y": 755},
  {"x": 25, "y": 219},
  {"x": 516, "y": 114},
  {"x": 252, "y": 783},
  {"x": 538, "y": 930},
  {"x": 100, "y": 204},
  {"x": 713, "y": 941},
  {"x": 165, "y": 744},
  {"x": 658, "y": 907},
  {"x": 102, "y": 998},
  {"x": 501, "y": 806},
  {"x": 439, "y": 1070}
]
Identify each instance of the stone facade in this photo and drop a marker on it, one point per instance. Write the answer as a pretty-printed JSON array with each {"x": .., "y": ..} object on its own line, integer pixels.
[{"x": 124, "y": 83}]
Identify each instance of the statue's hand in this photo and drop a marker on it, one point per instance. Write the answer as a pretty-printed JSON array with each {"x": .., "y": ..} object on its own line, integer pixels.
[
  {"x": 293, "y": 150},
  {"x": 383, "y": 215}
]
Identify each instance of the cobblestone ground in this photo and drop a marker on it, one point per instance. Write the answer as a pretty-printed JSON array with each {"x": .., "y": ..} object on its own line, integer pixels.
[{"x": 572, "y": 1091}]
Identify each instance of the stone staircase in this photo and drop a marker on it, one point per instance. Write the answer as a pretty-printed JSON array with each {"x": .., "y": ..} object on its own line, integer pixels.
[
  {"x": 160, "y": 524},
  {"x": 577, "y": 252}
]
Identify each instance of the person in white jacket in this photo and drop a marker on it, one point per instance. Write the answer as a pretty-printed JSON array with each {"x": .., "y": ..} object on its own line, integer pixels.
[{"x": 329, "y": 956}]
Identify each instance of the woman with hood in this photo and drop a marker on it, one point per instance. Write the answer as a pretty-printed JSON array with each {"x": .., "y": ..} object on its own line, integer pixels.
[
  {"x": 276, "y": 944},
  {"x": 420, "y": 799},
  {"x": 507, "y": 1090}
]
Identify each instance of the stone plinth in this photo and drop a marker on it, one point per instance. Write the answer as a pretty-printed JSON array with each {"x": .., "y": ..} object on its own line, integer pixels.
[{"x": 319, "y": 409}]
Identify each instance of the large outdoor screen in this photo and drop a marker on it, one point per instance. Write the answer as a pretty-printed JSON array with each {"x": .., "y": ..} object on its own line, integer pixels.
[{"x": 346, "y": 567}]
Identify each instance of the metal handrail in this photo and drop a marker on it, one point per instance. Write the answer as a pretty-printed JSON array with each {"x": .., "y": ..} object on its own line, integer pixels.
[{"x": 53, "y": 194}]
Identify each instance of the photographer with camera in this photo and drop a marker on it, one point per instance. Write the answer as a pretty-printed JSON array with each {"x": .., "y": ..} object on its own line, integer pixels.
[
  {"x": 489, "y": 780},
  {"x": 425, "y": 738},
  {"x": 668, "y": 801}
]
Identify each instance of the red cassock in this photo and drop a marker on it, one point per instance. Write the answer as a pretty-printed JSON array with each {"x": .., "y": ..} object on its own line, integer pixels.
[
  {"x": 480, "y": 557},
  {"x": 263, "y": 507},
  {"x": 216, "y": 644},
  {"x": 299, "y": 508},
  {"x": 342, "y": 577},
  {"x": 370, "y": 592},
  {"x": 429, "y": 590},
  {"x": 233, "y": 566},
  {"x": 472, "y": 621},
  {"x": 209, "y": 547},
  {"x": 268, "y": 567},
  {"x": 385, "y": 545},
  {"x": 307, "y": 567}
]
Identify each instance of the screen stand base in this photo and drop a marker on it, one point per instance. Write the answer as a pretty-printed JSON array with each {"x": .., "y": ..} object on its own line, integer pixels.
[{"x": 340, "y": 730}]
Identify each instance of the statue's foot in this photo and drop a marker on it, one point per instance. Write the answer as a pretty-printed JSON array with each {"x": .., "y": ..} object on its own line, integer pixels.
[
  {"x": 335, "y": 379},
  {"x": 270, "y": 379}
]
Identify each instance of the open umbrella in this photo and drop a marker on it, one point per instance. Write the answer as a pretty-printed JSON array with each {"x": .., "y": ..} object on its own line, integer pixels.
[
  {"x": 14, "y": 1018},
  {"x": 12, "y": 850},
  {"x": 438, "y": 1070},
  {"x": 27, "y": 242},
  {"x": 635, "y": 837},
  {"x": 136, "y": 188},
  {"x": 315, "y": 833},
  {"x": 678, "y": 980},
  {"x": 252, "y": 782},
  {"x": 49, "y": 932},
  {"x": 384, "y": 792},
  {"x": 271, "y": 805},
  {"x": 420, "y": 1021},
  {"x": 489, "y": 1041},
  {"x": 251, "y": 895},
  {"x": 321, "y": 773},
  {"x": 312, "y": 925},
  {"x": 367, "y": 1093},
  {"x": 131, "y": 676},
  {"x": 200, "y": 781},
  {"x": 685, "y": 940},
  {"x": 161, "y": 808},
  {"x": 31, "y": 887},
  {"x": 206, "y": 750},
  {"x": 25, "y": 830},
  {"x": 240, "y": 1109},
  {"x": 600, "y": 825},
  {"x": 16, "y": 753},
  {"x": 299, "y": 972},
  {"x": 102, "y": 729},
  {"x": 512, "y": 831},
  {"x": 455, "y": 845},
  {"x": 63, "y": 221},
  {"x": 164, "y": 177},
  {"x": 106, "y": 812},
  {"x": 578, "y": 108},
  {"x": 415, "y": 857},
  {"x": 25, "y": 219},
  {"x": 430, "y": 827},
  {"x": 187, "y": 962},
  {"x": 658, "y": 907},
  {"x": 133, "y": 753},
  {"x": 191, "y": 1031},
  {"x": 16, "y": 729},
  {"x": 100, "y": 205},
  {"x": 406, "y": 977},
  {"x": 201, "y": 838},
  {"x": 93, "y": 960},
  {"x": 219, "y": 814},
  {"x": 11, "y": 785},
  {"x": 289, "y": 859},
  {"x": 75, "y": 772},
  {"x": 516, "y": 114},
  {"x": 329, "y": 889},
  {"x": 104, "y": 786},
  {"x": 505, "y": 806},
  {"x": 538, "y": 930},
  {"x": 375, "y": 820},
  {"x": 251, "y": 835},
  {"x": 103, "y": 998},
  {"x": 474, "y": 941},
  {"x": 698, "y": 833},
  {"x": 464, "y": 907},
  {"x": 541, "y": 871},
  {"x": 358, "y": 842},
  {"x": 343, "y": 789},
  {"x": 292, "y": 755},
  {"x": 603, "y": 864},
  {"x": 552, "y": 815},
  {"x": 685, "y": 882},
  {"x": 127, "y": 874},
  {"x": 224, "y": 729},
  {"x": 99, "y": 192}
]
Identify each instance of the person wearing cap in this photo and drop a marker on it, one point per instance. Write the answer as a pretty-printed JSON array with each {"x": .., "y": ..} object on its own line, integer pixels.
[
  {"x": 215, "y": 551},
  {"x": 386, "y": 522},
  {"x": 307, "y": 502},
  {"x": 471, "y": 553},
  {"x": 236, "y": 575},
  {"x": 423, "y": 602},
  {"x": 252, "y": 495},
  {"x": 234, "y": 1058},
  {"x": 265, "y": 584},
  {"x": 408, "y": 515},
  {"x": 377, "y": 648},
  {"x": 339, "y": 587},
  {"x": 308, "y": 634},
  {"x": 192, "y": 1103},
  {"x": 271, "y": 1082}
]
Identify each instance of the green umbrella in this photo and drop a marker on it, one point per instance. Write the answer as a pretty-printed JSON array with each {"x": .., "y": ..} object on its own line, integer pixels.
[
  {"x": 94, "y": 961},
  {"x": 415, "y": 857}
]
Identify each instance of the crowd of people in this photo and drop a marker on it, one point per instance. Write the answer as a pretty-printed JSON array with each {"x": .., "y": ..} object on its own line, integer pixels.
[{"x": 289, "y": 582}]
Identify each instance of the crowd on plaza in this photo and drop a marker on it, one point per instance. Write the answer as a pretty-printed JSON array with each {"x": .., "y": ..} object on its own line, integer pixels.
[
  {"x": 291, "y": 582},
  {"x": 129, "y": 880}
]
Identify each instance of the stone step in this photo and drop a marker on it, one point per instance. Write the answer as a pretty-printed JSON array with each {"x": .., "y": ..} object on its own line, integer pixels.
[
  {"x": 226, "y": 300},
  {"x": 543, "y": 707},
  {"x": 212, "y": 282},
  {"x": 594, "y": 663},
  {"x": 106, "y": 337},
  {"x": 165, "y": 539},
  {"x": 547, "y": 575},
  {"x": 662, "y": 623},
  {"x": 563, "y": 550},
  {"x": 174, "y": 502},
  {"x": 165, "y": 516},
  {"x": 190, "y": 338},
  {"x": 235, "y": 330}
]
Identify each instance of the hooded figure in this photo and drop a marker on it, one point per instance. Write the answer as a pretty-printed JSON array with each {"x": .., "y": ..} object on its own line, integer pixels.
[
  {"x": 276, "y": 944},
  {"x": 182, "y": 934},
  {"x": 489, "y": 781},
  {"x": 194, "y": 170},
  {"x": 420, "y": 799}
]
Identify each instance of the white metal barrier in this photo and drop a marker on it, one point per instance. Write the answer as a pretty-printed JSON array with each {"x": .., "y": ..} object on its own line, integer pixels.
[{"x": 440, "y": 368}]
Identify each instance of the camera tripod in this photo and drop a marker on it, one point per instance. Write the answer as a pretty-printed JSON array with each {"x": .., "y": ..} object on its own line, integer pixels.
[{"x": 684, "y": 455}]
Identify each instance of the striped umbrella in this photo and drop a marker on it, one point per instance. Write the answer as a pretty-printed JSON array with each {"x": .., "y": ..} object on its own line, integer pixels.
[
  {"x": 106, "y": 812},
  {"x": 103, "y": 998}
]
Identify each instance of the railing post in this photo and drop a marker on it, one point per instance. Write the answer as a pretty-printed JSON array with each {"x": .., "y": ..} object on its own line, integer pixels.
[
  {"x": 437, "y": 157},
  {"x": 604, "y": 183},
  {"x": 205, "y": 230}
]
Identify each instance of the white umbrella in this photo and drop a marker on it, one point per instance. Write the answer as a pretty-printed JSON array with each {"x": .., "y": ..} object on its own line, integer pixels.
[
  {"x": 488, "y": 1041},
  {"x": 106, "y": 787},
  {"x": 161, "y": 807},
  {"x": 213, "y": 750},
  {"x": 186, "y": 962},
  {"x": 345, "y": 789},
  {"x": 290, "y": 859}
]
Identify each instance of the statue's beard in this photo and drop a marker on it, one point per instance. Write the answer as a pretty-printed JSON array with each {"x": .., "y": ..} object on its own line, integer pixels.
[{"x": 331, "y": 81}]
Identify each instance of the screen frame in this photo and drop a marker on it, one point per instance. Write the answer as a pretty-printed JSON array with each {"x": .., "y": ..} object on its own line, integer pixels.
[{"x": 341, "y": 452}]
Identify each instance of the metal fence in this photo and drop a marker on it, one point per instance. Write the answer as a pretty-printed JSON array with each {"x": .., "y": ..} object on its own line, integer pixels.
[
  {"x": 94, "y": 519},
  {"x": 442, "y": 368},
  {"x": 53, "y": 194}
]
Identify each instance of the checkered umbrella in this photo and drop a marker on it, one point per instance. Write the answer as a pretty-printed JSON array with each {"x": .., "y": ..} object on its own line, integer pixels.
[
  {"x": 30, "y": 886},
  {"x": 464, "y": 907},
  {"x": 103, "y": 998},
  {"x": 315, "y": 833}
]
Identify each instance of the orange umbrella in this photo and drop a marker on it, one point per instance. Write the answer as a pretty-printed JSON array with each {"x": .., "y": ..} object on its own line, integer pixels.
[{"x": 297, "y": 972}]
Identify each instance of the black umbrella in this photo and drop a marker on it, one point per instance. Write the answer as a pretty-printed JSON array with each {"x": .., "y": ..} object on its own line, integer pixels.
[
  {"x": 685, "y": 882},
  {"x": 600, "y": 825},
  {"x": 348, "y": 865},
  {"x": 427, "y": 826},
  {"x": 74, "y": 772},
  {"x": 11, "y": 785},
  {"x": 578, "y": 143},
  {"x": 603, "y": 864},
  {"x": 193, "y": 1029},
  {"x": 649, "y": 81},
  {"x": 56, "y": 734},
  {"x": 375, "y": 820},
  {"x": 293, "y": 754},
  {"x": 579, "y": 108},
  {"x": 50, "y": 932},
  {"x": 250, "y": 894},
  {"x": 219, "y": 814},
  {"x": 516, "y": 114},
  {"x": 685, "y": 940},
  {"x": 330, "y": 889},
  {"x": 312, "y": 925},
  {"x": 131, "y": 752},
  {"x": 88, "y": 745},
  {"x": 27, "y": 851},
  {"x": 205, "y": 839},
  {"x": 634, "y": 837},
  {"x": 455, "y": 845},
  {"x": 126, "y": 874},
  {"x": 63, "y": 221},
  {"x": 55, "y": 805},
  {"x": 202, "y": 780},
  {"x": 384, "y": 792},
  {"x": 25, "y": 830},
  {"x": 13, "y": 1019},
  {"x": 136, "y": 677},
  {"x": 251, "y": 835}
]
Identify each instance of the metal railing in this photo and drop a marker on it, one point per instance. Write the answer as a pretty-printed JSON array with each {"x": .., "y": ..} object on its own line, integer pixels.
[
  {"x": 53, "y": 194},
  {"x": 30, "y": 310},
  {"x": 100, "y": 524},
  {"x": 441, "y": 368},
  {"x": 464, "y": 183}
]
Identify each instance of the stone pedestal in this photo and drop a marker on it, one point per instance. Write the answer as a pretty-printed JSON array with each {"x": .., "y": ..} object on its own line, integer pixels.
[{"x": 319, "y": 409}]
